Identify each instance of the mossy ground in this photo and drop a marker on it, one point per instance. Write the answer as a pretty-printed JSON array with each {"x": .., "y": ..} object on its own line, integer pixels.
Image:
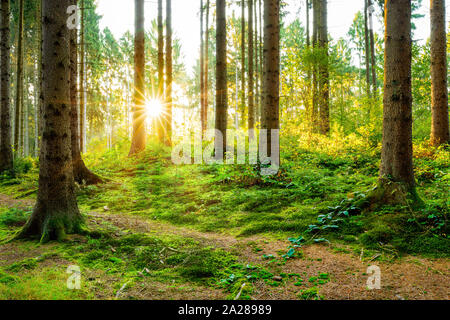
[{"x": 313, "y": 196}]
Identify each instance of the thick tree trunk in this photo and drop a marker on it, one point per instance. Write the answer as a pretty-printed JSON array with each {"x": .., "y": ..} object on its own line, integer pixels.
[
  {"x": 271, "y": 81},
  {"x": 251, "y": 98},
  {"x": 6, "y": 154},
  {"x": 439, "y": 88},
  {"x": 324, "y": 81},
  {"x": 139, "y": 132},
  {"x": 221, "y": 78},
  {"x": 81, "y": 174},
  {"x": 18, "y": 123},
  {"x": 169, "y": 74},
  {"x": 396, "y": 155},
  {"x": 161, "y": 97},
  {"x": 56, "y": 212}
]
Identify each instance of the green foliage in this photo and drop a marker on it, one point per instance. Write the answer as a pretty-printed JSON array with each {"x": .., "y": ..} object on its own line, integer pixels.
[{"x": 13, "y": 217}]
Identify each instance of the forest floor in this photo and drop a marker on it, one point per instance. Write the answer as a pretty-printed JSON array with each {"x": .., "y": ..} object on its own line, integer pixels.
[{"x": 161, "y": 231}]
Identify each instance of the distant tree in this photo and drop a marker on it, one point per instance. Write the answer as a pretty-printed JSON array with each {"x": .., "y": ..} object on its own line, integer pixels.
[
  {"x": 372, "y": 49},
  {"x": 243, "y": 85},
  {"x": 161, "y": 95},
  {"x": 139, "y": 132},
  {"x": 202, "y": 70},
  {"x": 251, "y": 98},
  {"x": 439, "y": 87},
  {"x": 221, "y": 78},
  {"x": 56, "y": 211},
  {"x": 169, "y": 75},
  {"x": 206, "y": 66},
  {"x": 6, "y": 154},
  {"x": 324, "y": 80},
  {"x": 18, "y": 119}
]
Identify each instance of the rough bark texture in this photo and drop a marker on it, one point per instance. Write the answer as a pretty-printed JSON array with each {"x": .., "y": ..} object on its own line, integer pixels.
[
  {"x": 139, "y": 134},
  {"x": 396, "y": 155},
  {"x": 6, "y": 154},
  {"x": 439, "y": 89},
  {"x": 221, "y": 77},
  {"x": 81, "y": 174},
  {"x": 18, "y": 123},
  {"x": 56, "y": 212},
  {"x": 271, "y": 81},
  {"x": 169, "y": 74},
  {"x": 324, "y": 80},
  {"x": 160, "y": 66},
  {"x": 251, "y": 98}
]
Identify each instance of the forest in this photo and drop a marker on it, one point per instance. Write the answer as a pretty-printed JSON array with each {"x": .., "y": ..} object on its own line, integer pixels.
[{"x": 287, "y": 156}]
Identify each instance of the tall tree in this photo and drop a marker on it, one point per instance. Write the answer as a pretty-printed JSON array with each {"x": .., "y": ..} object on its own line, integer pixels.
[
  {"x": 169, "y": 74},
  {"x": 397, "y": 150},
  {"x": 139, "y": 132},
  {"x": 251, "y": 98},
  {"x": 206, "y": 73},
  {"x": 439, "y": 89},
  {"x": 81, "y": 174},
  {"x": 324, "y": 80},
  {"x": 83, "y": 78},
  {"x": 221, "y": 78},
  {"x": 202, "y": 69},
  {"x": 271, "y": 82},
  {"x": 256, "y": 67},
  {"x": 160, "y": 65},
  {"x": 18, "y": 122},
  {"x": 6, "y": 154},
  {"x": 372, "y": 48},
  {"x": 243, "y": 86},
  {"x": 367, "y": 46},
  {"x": 315, "y": 89},
  {"x": 56, "y": 212}
]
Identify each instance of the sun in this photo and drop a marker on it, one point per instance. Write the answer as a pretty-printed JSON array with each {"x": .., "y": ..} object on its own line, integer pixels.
[{"x": 154, "y": 108}]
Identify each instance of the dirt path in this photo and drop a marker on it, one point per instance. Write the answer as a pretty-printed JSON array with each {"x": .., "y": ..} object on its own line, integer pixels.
[{"x": 406, "y": 278}]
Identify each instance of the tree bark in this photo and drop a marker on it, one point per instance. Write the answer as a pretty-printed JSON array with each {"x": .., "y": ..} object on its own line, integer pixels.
[
  {"x": 6, "y": 153},
  {"x": 367, "y": 47},
  {"x": 205, "y": 112},
  {"x": 82, "y": 80},
  {"x": 396, "y": 155},
  {"x": 372, "y": 51},
  {"x": 56, "y": 212},
  {"x": 81, "y": 174},
  {"x": 221, "y": 78},
  {"x": 18, "y": 123},
  {"x": 243, "y": 92},
  {"x": 202, "y": 71},
  {"x": 315, "y": 93},
  {"x": 271, "y": 81},
  {"x": 439, "y": 88},
  {"x": 169, "y": 74},
  {"x": 139, "y": 132},
  {"x": 251, "y": 98},
  {"x": 161, "y": 97},
  {"x": 324, "y": 81}
]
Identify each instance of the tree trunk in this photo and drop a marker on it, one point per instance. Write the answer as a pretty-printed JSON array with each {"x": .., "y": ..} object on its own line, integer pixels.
[
  {"x": 439, "y": 89},
  {"x": 6, "y": 154},
  {"x": 324, "y": 81},
  {"x": 205, "y": 112},
  {"x": 243, "y": 92},
  {"x": 161, "y": 98},
  {"x": 257, "y": 74},
  {"x": 139, "y": 132},
  {"x": 81, "y": 174},
  {"x": 372, "y": 50},
  {"x": 202, "y": 71},
  {"x": 367, "y": 47},
  {"x": 315, "y": 93},
  {"x": 56, "y": 212},
  {"x": 251, "y": 98},
  {"x": 271, "y": 81},
  {"x": 82, "y": 80},
  {"x": 396, "y": 155},
  {"x": 221, "y": 79},
  {"x": 18, "y": 123},
  {"x": 169, "y": 74}
]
